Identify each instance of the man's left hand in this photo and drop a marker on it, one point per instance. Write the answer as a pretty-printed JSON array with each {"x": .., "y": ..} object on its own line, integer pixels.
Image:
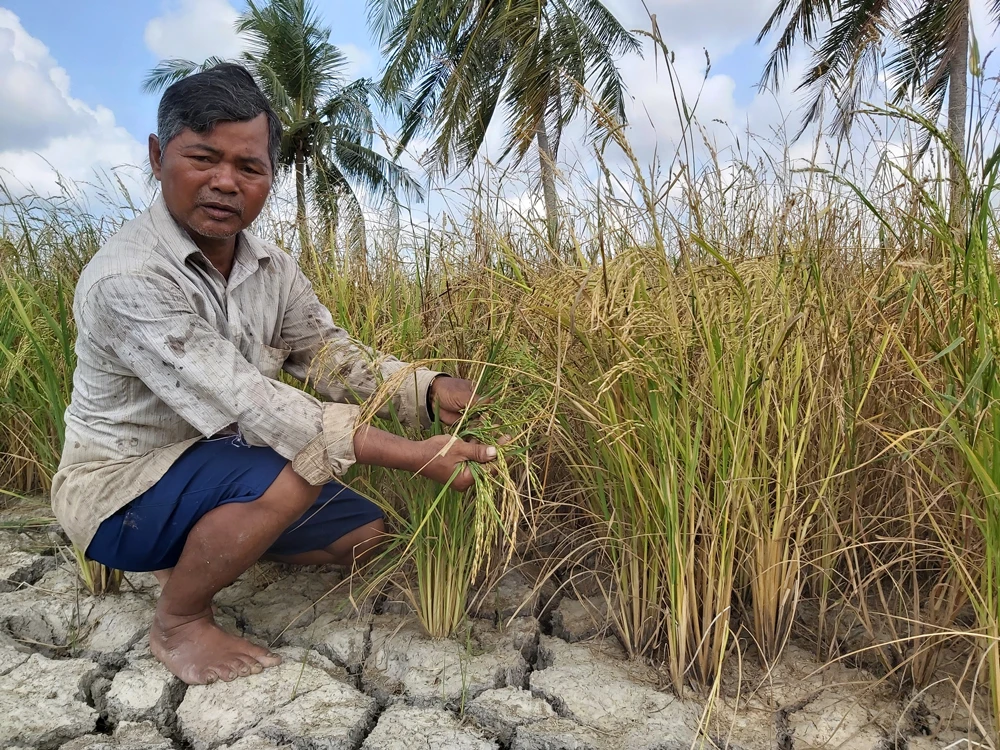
[{"x": 452, "y": 396}]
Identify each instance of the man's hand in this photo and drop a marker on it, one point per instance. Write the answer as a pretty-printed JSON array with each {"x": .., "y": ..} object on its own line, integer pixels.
[
  {"x": 444, "y": 454},
  {"x": 436, "y": 458},
  {"x": 452, "y": 396}
]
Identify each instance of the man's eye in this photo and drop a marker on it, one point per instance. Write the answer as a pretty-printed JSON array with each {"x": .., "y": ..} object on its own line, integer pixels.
[{"x": 202, "y": 159}]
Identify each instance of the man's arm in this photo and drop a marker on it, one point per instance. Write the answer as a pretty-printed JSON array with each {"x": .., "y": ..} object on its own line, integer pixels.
[
  {"x": 147, "y": 322},
  {"x": 149, "y": 326},
  {"x": 342, "y": 369},
  {"x": 439, "y": 458}
]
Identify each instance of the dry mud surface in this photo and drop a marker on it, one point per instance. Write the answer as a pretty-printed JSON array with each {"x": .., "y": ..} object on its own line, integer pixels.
[{"x": 76, "y": 674}]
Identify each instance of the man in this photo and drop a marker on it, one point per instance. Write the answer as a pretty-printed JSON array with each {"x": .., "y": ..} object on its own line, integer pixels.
[{"x": 184, "y": 454}]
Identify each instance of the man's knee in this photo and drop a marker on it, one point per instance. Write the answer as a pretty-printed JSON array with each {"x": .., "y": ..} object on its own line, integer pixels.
[
  {"x": 360, "y": 545},
  {"x": 373, "y": 539},
  {"x": 289, "y": 494}
]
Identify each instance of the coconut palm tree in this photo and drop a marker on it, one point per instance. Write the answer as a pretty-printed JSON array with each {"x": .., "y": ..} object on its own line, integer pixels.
[
  {"x": 930, "y": 62},
  {"x": 328, "y": 122},
  {"x": 451, "y": 65}
]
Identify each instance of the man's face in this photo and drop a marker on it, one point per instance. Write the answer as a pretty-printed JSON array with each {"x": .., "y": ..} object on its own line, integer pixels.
[{"x": 215, "y": 183}]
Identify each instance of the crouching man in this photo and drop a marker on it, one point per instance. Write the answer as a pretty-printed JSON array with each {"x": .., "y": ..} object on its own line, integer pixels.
[{"x": 184, "y": 454}]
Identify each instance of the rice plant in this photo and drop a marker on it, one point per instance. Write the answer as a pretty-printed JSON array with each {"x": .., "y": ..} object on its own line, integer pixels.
[
  {"x": 447, "y": 541},
  {"x": 962, "y": 383},
  {"x": 36, "y": 348}
]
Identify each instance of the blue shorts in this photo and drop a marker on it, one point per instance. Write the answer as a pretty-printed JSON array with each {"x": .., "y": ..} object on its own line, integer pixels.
[{"x": 149, "y": 533}]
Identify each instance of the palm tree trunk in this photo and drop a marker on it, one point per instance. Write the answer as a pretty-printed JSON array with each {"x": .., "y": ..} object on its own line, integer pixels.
[
  {"x": 300, "y": 203},
  {"x": 958, "y": 99},
  {"x": 547, "y": 163}
]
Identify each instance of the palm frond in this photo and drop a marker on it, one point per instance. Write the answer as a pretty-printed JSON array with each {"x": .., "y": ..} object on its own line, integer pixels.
[
  {"x": 336, "y": 201},
  {"x": 285, "y": 35},
  {"x": 350, "y": 108},
  {"x": 925, "y": 38},
  {"x": 380, "y": 176},
  {"x": 451, "y": 64},
  {"x": 930, "y": 41},
  {"x": 272, "y": 85},
  {"x": 803, "y": 23},
  {"x": 846, "y": 61},
  {"x": 168, "y": 72}
]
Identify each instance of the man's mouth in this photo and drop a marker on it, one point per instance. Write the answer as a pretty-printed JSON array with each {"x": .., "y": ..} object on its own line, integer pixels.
[{"x": 219, "y": 210}]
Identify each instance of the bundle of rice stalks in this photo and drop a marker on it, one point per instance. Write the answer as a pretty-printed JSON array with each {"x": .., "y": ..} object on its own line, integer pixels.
[{"x": 445, "y": 541}]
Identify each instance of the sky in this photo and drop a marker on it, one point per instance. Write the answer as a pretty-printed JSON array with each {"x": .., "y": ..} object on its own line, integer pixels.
[{"x": 71, "y": 72}]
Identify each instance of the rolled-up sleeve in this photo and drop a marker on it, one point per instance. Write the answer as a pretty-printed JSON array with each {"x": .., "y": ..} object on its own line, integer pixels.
[
  {"x": 345, "y": 371},
  {"x": 148, "y": 324}
]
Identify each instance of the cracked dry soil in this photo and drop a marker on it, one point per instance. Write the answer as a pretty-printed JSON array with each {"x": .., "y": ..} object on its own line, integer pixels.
[{"x": 76, "y": 674}]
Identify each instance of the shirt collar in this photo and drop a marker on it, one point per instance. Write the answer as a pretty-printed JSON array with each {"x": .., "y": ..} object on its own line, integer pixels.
[{"x": 179, "y": 243}]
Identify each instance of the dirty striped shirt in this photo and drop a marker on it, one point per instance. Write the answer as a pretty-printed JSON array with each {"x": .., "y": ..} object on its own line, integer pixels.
[{"x": 169, "y": 352}]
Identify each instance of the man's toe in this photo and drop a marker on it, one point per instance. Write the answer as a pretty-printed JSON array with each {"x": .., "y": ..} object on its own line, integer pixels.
[
  {"x": 269, "y": 659},
  {"x": 246, "y": 664}
]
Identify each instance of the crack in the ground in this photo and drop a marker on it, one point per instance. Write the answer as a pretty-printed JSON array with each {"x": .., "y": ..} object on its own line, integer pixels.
[
  {"x": 558, "y": 705},
  {"x": 171, "y": 724},
  {"x": 96, "y": 688},
  {"x": 783, "y": 733},
  {"x": 41, "y": 642},
  {"x": 376, "y": 714},
  {"x": 916, "y": 719},
  {"x": 531, "y": 652},
  {"x": 23, "y": 619},
  {"x": 366, "y": 649},
  {"x": 28, "y": 575},
  {"x": 102, "y": 727},
  {"x": 242, "y": 624},
  {"x": 890, "y": 743},
  {"x": 354, "y": 671}
]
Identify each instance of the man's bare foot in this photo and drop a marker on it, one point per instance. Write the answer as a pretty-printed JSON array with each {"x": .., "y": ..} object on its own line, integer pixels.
[{"x": 199, "y": 652}]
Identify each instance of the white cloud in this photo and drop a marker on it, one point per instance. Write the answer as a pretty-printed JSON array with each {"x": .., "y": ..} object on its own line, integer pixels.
[
  {"x": 360, "y": 63},
  {"x": 43, "y": 128},
  {"x": 718, "y": 25},
  {"x": 652, "y": 110},
  {"x": 689, "y": 28},
  {"x": 194, "y": 30},
  {"x": 34, "y": 91}
]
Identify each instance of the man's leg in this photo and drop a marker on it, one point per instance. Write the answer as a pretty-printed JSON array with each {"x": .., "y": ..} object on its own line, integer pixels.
[
  {"x": 222, "y": 545},
  {"x": 162, "y": 576},
  {"x": 354, "y": 547}
]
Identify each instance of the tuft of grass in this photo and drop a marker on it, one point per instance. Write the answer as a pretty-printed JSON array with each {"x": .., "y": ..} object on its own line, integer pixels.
[
  {"x": 961, "y": 379},
  {"x": 445, "y": 542},
  {"x": 38, "y": 270}
]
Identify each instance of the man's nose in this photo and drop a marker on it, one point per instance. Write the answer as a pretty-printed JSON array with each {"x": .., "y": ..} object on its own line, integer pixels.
[{"x": 224, "y": 178}]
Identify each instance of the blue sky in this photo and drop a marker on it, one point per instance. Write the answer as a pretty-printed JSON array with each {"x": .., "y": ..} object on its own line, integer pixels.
[
  {"x": 71, "y": 71},
  {"x": 99, "y": 51},
  {"x": 100, "y": 44}
]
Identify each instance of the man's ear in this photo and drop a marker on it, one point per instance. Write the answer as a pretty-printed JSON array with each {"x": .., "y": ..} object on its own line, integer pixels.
[{"x": 155, "y": 155}]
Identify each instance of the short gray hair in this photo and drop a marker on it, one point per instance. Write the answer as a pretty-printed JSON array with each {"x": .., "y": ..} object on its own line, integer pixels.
[{"x": 225, "y": 93}]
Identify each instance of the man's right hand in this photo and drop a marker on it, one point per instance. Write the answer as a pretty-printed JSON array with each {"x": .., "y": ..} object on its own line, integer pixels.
[
  {"x": 436, "y": 458},
  {"x": 444, "y": 455}
]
